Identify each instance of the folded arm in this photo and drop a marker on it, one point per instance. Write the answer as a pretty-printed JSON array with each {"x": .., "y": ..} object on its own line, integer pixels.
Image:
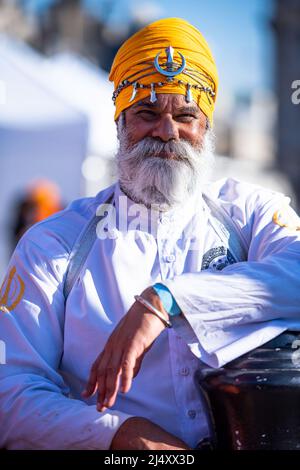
[{"x": 217, "y": 308}]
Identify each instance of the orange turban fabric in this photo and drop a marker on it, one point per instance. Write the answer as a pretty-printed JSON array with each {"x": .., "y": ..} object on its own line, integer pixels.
[{"x": 136, "y": 76}]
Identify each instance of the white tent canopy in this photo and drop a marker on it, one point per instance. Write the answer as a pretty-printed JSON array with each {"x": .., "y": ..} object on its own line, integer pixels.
[
  {"x": 77, "y": 82},
  {"x": 88, "y": 89},
  {"x": 85, "y": 88},
  {"x": 40, "y": 134}
]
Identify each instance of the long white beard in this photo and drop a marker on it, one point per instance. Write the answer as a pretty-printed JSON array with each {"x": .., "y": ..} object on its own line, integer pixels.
[{"x": 154, "y": 180}]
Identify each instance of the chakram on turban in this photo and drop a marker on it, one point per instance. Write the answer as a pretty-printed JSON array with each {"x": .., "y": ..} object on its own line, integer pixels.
[{"x": 167, "y": 56}]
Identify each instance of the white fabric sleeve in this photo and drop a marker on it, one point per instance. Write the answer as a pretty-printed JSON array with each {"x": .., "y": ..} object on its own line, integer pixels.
[
  {"x": 35, "y": 409},
  {"x": 224, "y": 307}
]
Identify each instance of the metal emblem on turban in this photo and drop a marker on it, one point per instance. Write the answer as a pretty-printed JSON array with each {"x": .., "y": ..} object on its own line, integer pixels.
[
  {"x": 169, "y": 69},
  {"x": 172, "y": 68}
]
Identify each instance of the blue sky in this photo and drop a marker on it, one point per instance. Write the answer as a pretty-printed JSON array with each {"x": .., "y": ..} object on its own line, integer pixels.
[{"x": 238, "y": 32}]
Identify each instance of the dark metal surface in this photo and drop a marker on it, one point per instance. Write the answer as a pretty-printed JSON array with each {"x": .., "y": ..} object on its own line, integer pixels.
[{"x": 255, "y": 399}]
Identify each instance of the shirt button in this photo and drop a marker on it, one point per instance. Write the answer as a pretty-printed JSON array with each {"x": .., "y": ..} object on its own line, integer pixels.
[
  {"x": 170, "y": 258},
  {"x": 192, "y": 414},
  {"x": 185, "y": 371}
]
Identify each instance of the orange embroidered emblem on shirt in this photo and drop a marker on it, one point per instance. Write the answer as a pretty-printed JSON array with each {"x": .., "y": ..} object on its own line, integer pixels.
[
  {"x": 282, "y": 218},
  {"x": 11, "y": 291}
]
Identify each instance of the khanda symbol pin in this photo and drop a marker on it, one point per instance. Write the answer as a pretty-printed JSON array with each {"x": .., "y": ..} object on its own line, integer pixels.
[
  {"x": 172, "y": 68},
  {"x": 13, "y": 287}
]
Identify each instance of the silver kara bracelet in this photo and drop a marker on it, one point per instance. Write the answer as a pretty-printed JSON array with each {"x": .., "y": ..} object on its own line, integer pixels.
[{"x": 152, "y": 309}]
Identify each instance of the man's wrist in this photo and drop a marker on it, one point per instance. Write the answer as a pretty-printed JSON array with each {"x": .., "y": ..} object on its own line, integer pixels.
[
  {"x": 158, "y": 313},
  {"x": 151, "y": 295},
  {"x": 168, "y": 301}
]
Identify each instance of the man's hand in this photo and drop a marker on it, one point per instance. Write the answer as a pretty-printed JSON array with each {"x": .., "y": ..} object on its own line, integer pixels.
[
  {"x": 141, "y": 434},
  {"x": 122, "y": 356}
]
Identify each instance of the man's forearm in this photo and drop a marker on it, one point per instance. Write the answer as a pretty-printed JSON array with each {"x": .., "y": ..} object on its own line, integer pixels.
[{"x": 141, "y": 434}]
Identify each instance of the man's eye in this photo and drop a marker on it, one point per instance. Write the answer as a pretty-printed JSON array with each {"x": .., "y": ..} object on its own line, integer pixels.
[
  {"x": 186, "y": 117},
  {"x": 145, "y": 113}
]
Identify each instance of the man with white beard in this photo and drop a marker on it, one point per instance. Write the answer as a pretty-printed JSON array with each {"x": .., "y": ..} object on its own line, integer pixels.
[
  {"x": 163, "y": 172},
  {"x": 111, "y": 306}
]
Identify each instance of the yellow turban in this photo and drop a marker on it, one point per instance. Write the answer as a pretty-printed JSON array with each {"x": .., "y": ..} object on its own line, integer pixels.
[{"x": 135, "y": 75}]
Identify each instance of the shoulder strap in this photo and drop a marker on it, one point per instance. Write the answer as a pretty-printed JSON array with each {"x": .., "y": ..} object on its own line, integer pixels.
[
  {"x": 227, "y": 229},
  {"x": 81, "y": 249}
]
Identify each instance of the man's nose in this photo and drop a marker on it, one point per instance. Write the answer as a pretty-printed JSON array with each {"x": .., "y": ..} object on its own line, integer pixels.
[{"x": 166, "y": 129}]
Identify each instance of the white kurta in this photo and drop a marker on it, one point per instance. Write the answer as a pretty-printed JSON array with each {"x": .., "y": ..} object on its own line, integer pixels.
[{"x": 50, "y": 348}]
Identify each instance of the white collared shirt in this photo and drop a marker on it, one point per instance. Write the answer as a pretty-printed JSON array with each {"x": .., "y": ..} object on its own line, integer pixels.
[{"x": 226, "y": 312}]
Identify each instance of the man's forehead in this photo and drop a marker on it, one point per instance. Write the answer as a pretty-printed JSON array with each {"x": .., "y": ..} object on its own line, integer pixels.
[{"x": 176, "y": 102}]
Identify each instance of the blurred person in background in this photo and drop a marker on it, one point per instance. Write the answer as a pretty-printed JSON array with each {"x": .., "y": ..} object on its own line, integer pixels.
[
  {"x": 41, "y": 199},
  {"x": 211, "y": 268}
]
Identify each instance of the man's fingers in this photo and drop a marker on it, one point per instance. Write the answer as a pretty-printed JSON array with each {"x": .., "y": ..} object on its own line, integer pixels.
[
  {"x": 128, "y": 366},
  {"x": 101, "y": 401},
  {"x": 112, "y": 386},
  {"x": 109, "y": 379},
  {"x": 91, "y": 386},
  {"x": 108, "y": 382}
]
